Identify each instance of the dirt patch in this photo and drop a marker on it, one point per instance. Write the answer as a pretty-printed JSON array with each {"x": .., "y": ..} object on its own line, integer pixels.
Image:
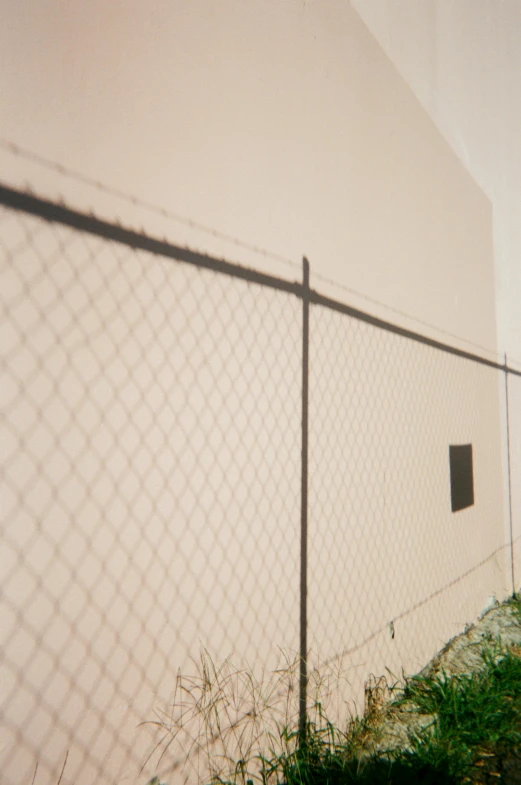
[{"x": 391, "y": 727}]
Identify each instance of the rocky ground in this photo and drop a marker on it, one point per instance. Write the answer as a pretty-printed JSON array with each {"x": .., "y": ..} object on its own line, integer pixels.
[{"x": 393, "y": 725}]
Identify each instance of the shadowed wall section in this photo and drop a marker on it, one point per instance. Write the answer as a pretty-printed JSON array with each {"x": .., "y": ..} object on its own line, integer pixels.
[{"x": 514, "y": 502}]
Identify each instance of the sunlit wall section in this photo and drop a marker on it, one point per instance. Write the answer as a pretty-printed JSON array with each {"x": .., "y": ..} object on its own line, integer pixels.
[
  {"x": 384, "y": 411},
  {"x": 151, "y": 506}
]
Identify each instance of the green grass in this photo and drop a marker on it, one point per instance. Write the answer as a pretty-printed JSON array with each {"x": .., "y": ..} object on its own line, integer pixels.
[
  {"x": 476, "y": 726},
  {"x": 480, "y": 712},
  {"x": 476, "y": 730},
  {"x": 515, "y": 603},
  {"x": 473, "y": 733}
]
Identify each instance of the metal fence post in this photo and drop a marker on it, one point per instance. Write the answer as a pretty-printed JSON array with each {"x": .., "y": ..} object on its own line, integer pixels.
[
  {"x": 304, "y": 506},
  {"x": 509, "y": 478}
]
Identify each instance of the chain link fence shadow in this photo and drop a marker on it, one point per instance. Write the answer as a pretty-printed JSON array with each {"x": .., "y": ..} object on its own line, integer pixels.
[{"x": 154, "y": 403}]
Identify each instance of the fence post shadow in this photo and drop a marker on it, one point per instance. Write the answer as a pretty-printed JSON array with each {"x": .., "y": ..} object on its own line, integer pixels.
[{"x": 304, "y": 505}]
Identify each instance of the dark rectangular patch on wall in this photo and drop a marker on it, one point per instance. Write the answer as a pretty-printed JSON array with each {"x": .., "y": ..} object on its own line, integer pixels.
[{"x": 461, "y": 476}]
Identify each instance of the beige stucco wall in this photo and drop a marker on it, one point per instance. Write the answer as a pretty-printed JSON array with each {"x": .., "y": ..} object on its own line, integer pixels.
[
  {"x": 290, "y": 130},
  {"x": 463, "y": 63}
]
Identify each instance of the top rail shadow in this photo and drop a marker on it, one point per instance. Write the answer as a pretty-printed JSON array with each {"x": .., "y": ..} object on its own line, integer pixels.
[{"x": 58, "y": 213}]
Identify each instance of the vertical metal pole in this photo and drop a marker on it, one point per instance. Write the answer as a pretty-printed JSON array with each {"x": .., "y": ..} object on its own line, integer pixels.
[
  {"x": 509, "y": 480},
  {"x": 303, "y": 673}
]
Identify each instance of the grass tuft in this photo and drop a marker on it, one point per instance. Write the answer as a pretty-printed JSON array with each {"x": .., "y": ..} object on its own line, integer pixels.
[
  {"x": 476, "y": 728},
  {"x": 471, "y": 732}
]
